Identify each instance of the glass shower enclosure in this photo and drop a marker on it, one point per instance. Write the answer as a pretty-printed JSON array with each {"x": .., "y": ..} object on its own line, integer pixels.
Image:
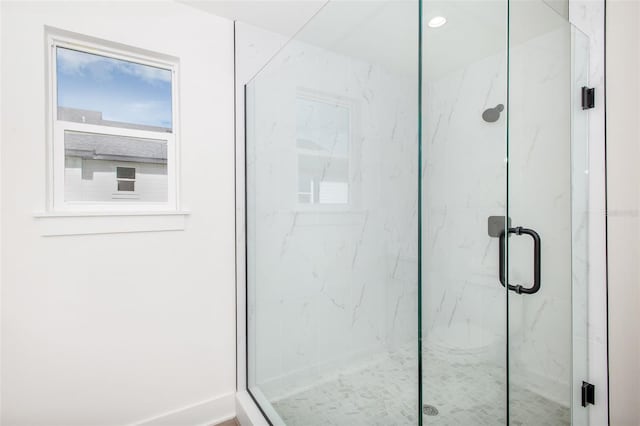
[{"x": 416, "y": 198}]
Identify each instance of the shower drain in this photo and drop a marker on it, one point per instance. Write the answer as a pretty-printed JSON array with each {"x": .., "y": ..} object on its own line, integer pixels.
[{"x": 429, "y": 410}]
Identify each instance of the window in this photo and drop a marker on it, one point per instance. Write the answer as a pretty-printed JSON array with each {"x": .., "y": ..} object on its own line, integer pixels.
[
  {"x": 113, "y": 128},
  {"x": 323, "y": 136},
  {"x": 126, "y": 177}
]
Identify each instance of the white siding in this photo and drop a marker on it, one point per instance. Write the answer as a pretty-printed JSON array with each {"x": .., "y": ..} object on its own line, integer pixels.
[{"x": 95, "y": 180}]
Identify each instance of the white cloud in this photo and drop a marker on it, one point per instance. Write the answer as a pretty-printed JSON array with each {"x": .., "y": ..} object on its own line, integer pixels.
[{"x": 73, "y": 62}]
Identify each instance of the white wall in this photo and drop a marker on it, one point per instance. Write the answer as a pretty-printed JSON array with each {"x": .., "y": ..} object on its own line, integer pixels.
[
  {"x": 623, "y": 203},
  {"x": 117, "y": 328}
]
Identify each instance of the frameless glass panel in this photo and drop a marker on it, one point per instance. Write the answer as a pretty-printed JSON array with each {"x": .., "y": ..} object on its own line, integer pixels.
[
  {"x": 464, "y": 184},
  {"x": 547, "y": 198},
  {"x": 579, "y": 223},
  {"x": 95, "y": 165},
  {"x": 332, "y": 224},
  {"x": 97, "y": 89}
]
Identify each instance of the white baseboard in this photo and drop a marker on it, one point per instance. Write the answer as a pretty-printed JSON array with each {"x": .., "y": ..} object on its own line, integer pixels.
[
  {"x": 247, "y": 412},
  {"x": 206, "y": 413}
]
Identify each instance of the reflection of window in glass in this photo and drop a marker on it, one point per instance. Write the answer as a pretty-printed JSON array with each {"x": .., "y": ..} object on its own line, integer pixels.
[
  {"x": 322, "y": 141},
  {"x": 112, "y": 130}
]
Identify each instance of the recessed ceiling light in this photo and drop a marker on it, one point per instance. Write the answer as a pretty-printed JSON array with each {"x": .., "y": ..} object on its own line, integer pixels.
[{"x": 437, "y": 21}]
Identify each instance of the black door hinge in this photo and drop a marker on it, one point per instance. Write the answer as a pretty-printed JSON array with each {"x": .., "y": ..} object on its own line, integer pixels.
[
  {"x": 588, "y": 394},
  {"x": 588, "y": 97}
]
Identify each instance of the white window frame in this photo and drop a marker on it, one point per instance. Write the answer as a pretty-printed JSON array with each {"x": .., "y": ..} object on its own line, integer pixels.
[
  {"x": 56, "y": 128},
  {"x": 118, "y": 180}
]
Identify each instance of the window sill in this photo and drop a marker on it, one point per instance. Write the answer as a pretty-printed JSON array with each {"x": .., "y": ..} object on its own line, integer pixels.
[{"x": 51, "y": 224}]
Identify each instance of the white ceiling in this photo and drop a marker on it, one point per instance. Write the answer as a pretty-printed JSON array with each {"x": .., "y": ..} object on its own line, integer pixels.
[
  {"x": 386, "y": 32},
  {"x": 283, "y": 17}
]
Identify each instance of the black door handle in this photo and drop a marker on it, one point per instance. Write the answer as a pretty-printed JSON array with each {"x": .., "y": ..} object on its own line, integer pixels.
[{"x": 536, "y": 260}]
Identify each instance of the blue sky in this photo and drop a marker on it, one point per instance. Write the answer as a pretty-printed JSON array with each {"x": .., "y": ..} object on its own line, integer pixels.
[{"x": 123, "y": 91}]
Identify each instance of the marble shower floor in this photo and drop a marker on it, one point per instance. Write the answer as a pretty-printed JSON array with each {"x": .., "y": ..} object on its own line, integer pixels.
[{"x": 384, "y": 394}]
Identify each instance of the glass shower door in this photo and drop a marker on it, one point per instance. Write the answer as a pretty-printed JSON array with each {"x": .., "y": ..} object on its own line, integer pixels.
[
  {"x": 546, "y": 249},
  {"x": 505, "y": 196}
]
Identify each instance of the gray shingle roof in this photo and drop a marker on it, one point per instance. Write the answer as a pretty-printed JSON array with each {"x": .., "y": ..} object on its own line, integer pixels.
[{"x": 109, "y": 147}]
